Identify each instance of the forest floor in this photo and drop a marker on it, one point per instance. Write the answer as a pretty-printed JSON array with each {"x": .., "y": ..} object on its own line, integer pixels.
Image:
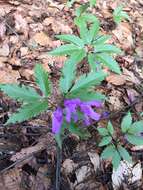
[{"x": 29, "y": 159}]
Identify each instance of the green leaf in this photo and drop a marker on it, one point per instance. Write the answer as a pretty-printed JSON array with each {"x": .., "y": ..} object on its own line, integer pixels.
[
  {"x": 70, "y": 2},
  {"x": 81, "y": 9},
  {"x": 28, "y": 111},
  {"x": 85, "y": 95},
  {"x": 116, "y": 159},
  {"x": 124, "y": 154},
  {"x": 65, "y": 50},
  {"x": 72, "y": 39},
  {"x": 108, "y": 152},
  {"x": 88, "y": 80},
  {"x": 119, "y": 14},
  {"x": 92, "y": 3},
  {"x": 82, "y": 133},
  {"x": 102, "y": 131},
  {"x": 126, "y": 122},
  {"x": 93, "y": 31},
  {"x": 135, "y": 140},
  {"x": 92, "y": 62},
  {"x": 42, "y": 80},
  {"x": 110, "y": 128},
  {"x": 23, "y": 93},
  {"x": 105, "y": 140},
  {"x": 136, "y": 127},
  {"x": 107, "y": 48},
  {"x": 109, "y": 62},
  {"x": 101, "y": 39},
  {"x": 69, "y": 70},
  {"x": 82, "y": 21}
]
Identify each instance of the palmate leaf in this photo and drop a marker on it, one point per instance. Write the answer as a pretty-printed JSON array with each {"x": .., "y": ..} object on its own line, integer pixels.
[
  {"x": 72, "y": 39},
  {"x": 136, "y": 127},
  {"x": 88, "y": 80},
  {"x": 135, "y": 140},
  {"x": 105, "y": 140},
  {"x": 108, "y": 61},
  {"x": 69, "y": 70},
  {"x": 65, "y": 50},
  {"x": 102, "y": 131},
  {"x": 101, "y": 39},
  {"x": 107, "y": 48},
  {"x": 28, "y": 111},
  {"x": 92, "y": 62},
  {"x": 124, "y": 154},
  {"x": 110, "y": 128},
  {"x": 108, "y": 152},
  {"x": 42, "y": 79},
  {"x": 93, "y": 31},
  {"x": 126, "y": 122},
  {"x": 21, "y": 93},
  {"x": 116, "y": 159},
  {"x": 85, "y": 95}
]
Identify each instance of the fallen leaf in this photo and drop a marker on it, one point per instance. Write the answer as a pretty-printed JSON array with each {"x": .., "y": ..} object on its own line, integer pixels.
[
  {"x": 68, "y": 166},
  {"x": 2, "y": 29},
  {"x": 42, "y": 39},
  {"x": 21, "y": 24},
  {"x": 82, "y": 173},
  {"x": 95, "y": 160},
  {"x": 4, "y": 50},
  {"x": 58, "y": 26},
  {"x": 11, "y": 180},
  {"x": 130, "y": 172},
  {"x": 130, "y": 76},
  {"x": 116, "y": 79},
  {"x": 8, "y": 75},
  {"x": 124, "y": 35}
]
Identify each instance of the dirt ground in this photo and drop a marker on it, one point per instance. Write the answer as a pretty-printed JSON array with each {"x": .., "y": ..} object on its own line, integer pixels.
[{"x": 29, "y": 158}]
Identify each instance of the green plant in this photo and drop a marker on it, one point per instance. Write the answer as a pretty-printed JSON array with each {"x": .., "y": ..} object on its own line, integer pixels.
[
  {"x": 91, "y": 3},
  {"x": 89, "y": 45},
  {"x": 79, "y": 100},
  {"x": 115, "y": 146},
  {"x": 119, "y": 14}
]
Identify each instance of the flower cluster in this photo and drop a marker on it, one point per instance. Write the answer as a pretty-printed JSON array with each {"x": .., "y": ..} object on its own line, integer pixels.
[{"x": 70, "y": 112}]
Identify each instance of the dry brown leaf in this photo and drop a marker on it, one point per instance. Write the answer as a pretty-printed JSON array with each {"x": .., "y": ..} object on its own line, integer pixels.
[
  {"x": 11, "y": 180},
  {"x": 124, "y": 35},
  {"x": 95, "y": 160},
  {"x": 116, "y": 79},
  {"x": 4, "y": 50},
  {"x": 42, "y": 181},
  {"x": 58, "y": 26},
  {"x": 42, "y": 39},
  {"x": 21, "y": 24},
  {"x": 25, "y": 152},
  {"x": 68, "y": 166},
  {"x": 52, "y": 60},
  {"x": 44, "y": 142},
  {"x": 130, "y": 76},
  {"x": 2, "y": 29},
  {"x": 7, "y": 75}
]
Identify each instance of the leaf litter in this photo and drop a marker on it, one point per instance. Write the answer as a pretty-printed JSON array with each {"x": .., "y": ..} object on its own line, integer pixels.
[{"x": 27, "y": 32}]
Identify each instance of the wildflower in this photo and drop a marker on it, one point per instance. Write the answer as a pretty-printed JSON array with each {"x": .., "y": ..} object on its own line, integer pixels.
[
  {"x": 71, "y": 109},
  {"x": 57, "y": 120}
]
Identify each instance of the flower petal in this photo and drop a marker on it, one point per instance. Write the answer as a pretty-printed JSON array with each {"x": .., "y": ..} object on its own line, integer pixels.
[{"x": 57, "y": 120}]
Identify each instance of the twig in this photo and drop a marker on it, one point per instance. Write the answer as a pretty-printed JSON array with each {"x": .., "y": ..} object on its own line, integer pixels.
[{"x": 58, "y": 168}]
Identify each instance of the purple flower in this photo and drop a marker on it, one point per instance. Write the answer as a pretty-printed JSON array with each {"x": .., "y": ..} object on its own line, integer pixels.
[
  {"x": 70, "y": 108},
  {"x": 57, "y": 120},
  {"x": 89, "y": 112}
]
